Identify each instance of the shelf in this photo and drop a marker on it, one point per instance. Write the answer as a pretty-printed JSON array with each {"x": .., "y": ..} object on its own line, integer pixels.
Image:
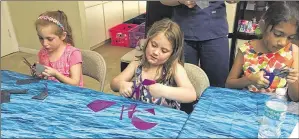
[
  {"x": 249, "y": 15},
  {"x": 246, "y": 36}
]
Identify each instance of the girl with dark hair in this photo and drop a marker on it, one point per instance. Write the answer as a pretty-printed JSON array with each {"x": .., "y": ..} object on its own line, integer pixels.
[
  {"x": 161, "y": 62},
  {"x": 62, "y": 61},
  {"x": 271, "y": 62}
]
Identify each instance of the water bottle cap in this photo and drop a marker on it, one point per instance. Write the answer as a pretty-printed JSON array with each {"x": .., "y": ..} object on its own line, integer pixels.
[{"x": 281, "y": 91}]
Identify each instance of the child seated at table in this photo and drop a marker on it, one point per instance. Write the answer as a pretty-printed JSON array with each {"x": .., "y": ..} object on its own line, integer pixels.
[
  {"x": 272, "y": 61},
  {"x": 161, "y": 62},
  {"x": 62, "y": 61}
]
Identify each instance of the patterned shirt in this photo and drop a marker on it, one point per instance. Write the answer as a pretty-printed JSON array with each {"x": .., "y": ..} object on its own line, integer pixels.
[
  {"x": 145, "y": 95},
  {"x": 70, "y": 57},
  {"x": 255, "y": 61}
]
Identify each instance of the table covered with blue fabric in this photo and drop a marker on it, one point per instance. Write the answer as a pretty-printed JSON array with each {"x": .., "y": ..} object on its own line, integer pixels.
[
  {"x": 229, "y": 113},
  {"x": 64, "y": 114}
]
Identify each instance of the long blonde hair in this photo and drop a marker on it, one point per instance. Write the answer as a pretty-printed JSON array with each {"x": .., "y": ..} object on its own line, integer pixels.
[{"x": 174, "y": 35}]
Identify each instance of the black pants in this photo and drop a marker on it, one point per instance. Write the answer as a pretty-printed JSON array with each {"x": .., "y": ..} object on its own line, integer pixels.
[{"x": 213, "y": 57}]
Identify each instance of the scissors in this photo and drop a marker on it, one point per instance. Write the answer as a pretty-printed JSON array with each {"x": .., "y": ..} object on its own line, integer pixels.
[
  {"x": 32, "y": 67},
  {"x": 27, "y": 62},
  {"x": 281, "y": 72}
]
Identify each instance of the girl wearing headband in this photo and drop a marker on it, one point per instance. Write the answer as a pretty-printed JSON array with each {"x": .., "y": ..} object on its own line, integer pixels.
[{"x": 62, "y": 61}]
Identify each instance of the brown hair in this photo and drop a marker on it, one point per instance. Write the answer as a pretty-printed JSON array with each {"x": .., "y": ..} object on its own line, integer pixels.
[
  {"x": 64, "y": 26},
  {"x": 174, "y": 35}
]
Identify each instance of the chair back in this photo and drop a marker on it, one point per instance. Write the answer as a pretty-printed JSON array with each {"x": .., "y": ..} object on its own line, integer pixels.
[
  {"x": 198, "y": 78},
  {"x": 94, "y": 66}
]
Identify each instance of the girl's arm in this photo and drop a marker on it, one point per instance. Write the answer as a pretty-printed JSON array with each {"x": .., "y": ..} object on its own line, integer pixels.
[
  {"x": 233, "y": 80},
  {"x": 124, "y": 77},
  {"x": 75, "y": 75},
  {"x": 75, "y": 70},
  {"x": 293, "y": 88},
  {"x": 184, "y": 92}
]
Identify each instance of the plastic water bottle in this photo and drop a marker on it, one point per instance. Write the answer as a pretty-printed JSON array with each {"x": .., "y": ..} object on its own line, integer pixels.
[{"x": 274, "y": 115}]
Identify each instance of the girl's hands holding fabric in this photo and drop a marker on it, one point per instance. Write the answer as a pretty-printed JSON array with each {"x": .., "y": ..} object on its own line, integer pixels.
[
  {"x": 188, "y": 3},
  {"x": 125, "y": 88},
  {"x": 33, "y": 71},
  {"x": 292, "y": 76},
  {"x": 49, "y": 72},
  {"x": 155, "y": 90},
  {"x": 258, "y": 79}
]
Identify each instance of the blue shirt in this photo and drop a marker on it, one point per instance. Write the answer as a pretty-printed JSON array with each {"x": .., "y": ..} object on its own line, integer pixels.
[{"x": 202, "y": 24}]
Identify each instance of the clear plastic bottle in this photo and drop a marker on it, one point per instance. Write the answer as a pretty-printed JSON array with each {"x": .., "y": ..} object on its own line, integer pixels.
[{"x": 274, "y": 115}]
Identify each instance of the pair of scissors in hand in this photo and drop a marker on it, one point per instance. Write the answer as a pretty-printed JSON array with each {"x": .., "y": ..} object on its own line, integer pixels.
[
  {"x": 30, "y": 66},
  {"x": 27, "y": 62},
  {"x": 281, "y": 72}
]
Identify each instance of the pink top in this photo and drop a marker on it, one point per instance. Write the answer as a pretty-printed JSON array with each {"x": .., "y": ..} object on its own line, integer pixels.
[{"x": 70, "y": 57}]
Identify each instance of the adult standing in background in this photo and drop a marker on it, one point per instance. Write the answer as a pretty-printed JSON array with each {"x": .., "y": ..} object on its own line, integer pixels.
[{"x": 205, "y": 30}]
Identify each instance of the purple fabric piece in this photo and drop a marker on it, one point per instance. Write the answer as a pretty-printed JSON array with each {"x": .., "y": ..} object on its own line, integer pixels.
[
  {"x": 270, "y": 76},
  {"x": 130, "y": 113},
  {"x": 136, "y": 90},
  {"x": 131, "y": 107},
  {"x": 131, "y": 110},
  {"x": 142, "y": 125},
  {"x": 151, "y": 110},
  {"x": 122, "y": 111},
  {"x": 99, "y": 105},
  {"x": 148, "y": 82}
]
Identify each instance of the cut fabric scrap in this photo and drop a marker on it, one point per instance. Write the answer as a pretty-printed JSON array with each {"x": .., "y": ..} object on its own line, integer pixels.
[
  {"x": 151, "y": 110},
  {"x": 16, "y": 91},
  {"x": 142, "y": 125},
  {"x": 99, "y": 105},
  {"x": 5, "y": 97},
  {"x": 148, "y": 82},
  {"x": 27, "y": 81},
  {"x": 41, "y": 96}
]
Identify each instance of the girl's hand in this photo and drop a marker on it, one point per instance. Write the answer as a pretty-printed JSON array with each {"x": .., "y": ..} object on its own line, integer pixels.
[
  {"x": 293, "y": 76},
  {"x": 258, "y": 79},
  {"x": 49, "y": 72},
  {"x": 33, "y": 71},
  {"x": 156, "y": 90},
  {"x": 125, "y": 88},
  {"x": 188, "y": 3}
]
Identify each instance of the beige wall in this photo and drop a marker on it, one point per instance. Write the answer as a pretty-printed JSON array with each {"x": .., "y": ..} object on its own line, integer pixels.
[{"x": 24, "y": 14}]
